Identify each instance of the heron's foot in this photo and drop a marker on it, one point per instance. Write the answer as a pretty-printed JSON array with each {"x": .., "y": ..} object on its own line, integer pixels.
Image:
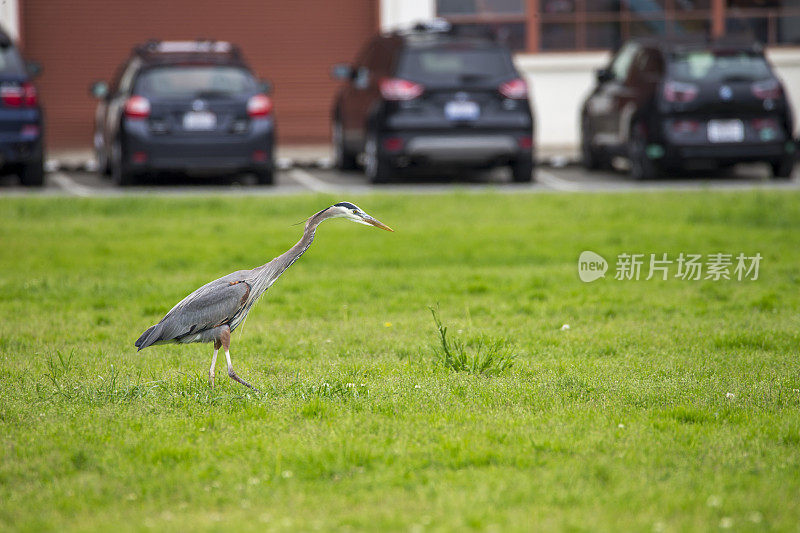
[{"x": 236, "y": 378}]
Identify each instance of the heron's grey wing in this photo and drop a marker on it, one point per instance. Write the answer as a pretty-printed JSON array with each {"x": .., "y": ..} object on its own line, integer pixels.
[
  {"x": 213, "y": 303},
  {"x": 208, "y": 307}
]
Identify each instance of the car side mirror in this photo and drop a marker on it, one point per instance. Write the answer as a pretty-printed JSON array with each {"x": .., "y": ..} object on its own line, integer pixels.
[
  {"x": 99, "y": 90},
  {"x": 603, "y": 75},
  {"x": 361, "y": 78},
  {"x": 33, "y": 68},
  {"x": 342, "y": 71},
  {"x": 265, "y": 86}
]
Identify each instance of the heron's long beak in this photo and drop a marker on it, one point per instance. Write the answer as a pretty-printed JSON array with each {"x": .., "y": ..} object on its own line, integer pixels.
[{"x": 375, "y": 222}]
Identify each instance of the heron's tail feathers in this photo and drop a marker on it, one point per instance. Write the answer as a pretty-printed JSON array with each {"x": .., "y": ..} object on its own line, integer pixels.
[{"x": 147, "y": 338}]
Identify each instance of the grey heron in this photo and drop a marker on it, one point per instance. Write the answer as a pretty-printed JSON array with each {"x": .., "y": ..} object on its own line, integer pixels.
[{"x": 214, "y": 310}]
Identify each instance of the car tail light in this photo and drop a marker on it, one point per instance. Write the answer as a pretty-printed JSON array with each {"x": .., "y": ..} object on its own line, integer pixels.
[
  {"x": 396, "y": 89},
  {"x": 685, "y": 126},
  {"x": 137, "y": 107},
  {"x": 516, "y": 89},
  {"x": 767, "y": 89},
  {"x": 525, "y": 142},
  {"x": 23, "y": 95},
  {"x": 259, "y": 156},
  {"x": 676, "y": 91},
  {"x": 11, "y": 95},
  {"x": 259, "y": 106},
  {"x": 393, "y": 144}
]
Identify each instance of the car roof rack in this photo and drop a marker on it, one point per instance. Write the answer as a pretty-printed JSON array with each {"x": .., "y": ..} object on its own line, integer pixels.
[
  {"x": 199, "y": 46},
  {"x": 437, "y": 25},
  {"x": 441, "y": 30}
]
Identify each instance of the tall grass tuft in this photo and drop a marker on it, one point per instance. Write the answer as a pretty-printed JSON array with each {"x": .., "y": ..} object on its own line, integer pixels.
[{"x": 481, "y": 357}]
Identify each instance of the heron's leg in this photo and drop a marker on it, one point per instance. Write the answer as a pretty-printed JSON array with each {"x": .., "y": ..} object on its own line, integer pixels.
[
  {"x": 211, "y": 372},
  {"x": 225, "y": 337}
]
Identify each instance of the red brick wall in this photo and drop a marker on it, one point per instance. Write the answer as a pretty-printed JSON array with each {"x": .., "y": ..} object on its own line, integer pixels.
[{"x": 292, "y": 43}]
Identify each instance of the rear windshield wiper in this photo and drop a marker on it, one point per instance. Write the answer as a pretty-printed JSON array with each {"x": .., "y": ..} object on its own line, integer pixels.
[
  {"x": 212, "y": 93},
  {"x": 466, "y": 78},
  {"x": 736, "y": 77}
]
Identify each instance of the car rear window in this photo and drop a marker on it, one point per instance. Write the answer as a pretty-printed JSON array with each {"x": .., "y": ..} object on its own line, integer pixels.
[
  {"x": 10, "y": 62},
  {"x": 457, "y": 65},
  {"x": 723, "y": 66},
  {"x": 195, "y": 81}
]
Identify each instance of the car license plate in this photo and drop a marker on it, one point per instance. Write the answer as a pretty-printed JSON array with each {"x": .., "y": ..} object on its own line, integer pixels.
[
  {"x": 199, "y": 121},
  {"x": 462, "y": 110},
  {"x": 725, "y": 131}
]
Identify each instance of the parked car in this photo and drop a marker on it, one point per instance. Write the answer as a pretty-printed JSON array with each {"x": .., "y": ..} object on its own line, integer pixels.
[
  {"x": 429, "y": 97},
  {"x": 184, "y": 105},
  {"x": 663, "y": 104},
  {"x": 21, "y": 132}
]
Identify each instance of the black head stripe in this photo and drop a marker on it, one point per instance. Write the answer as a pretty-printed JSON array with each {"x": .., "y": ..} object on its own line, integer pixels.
[{"x": 347, "y": 205}]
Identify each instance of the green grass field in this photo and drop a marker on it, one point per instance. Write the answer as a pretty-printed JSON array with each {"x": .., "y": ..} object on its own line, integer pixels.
[{"x": 668, "y": 405}]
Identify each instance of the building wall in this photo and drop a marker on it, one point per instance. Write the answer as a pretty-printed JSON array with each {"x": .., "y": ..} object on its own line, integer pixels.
[{"x": 293, "y": 44}]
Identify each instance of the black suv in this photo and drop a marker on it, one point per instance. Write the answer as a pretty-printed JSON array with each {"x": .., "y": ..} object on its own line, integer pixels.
[
  {"x": 431, "y": 97},
  {"x": 665, "y": 104},
  {"x": 21, "y": 145},
  {"x": 184, "y": 105}
]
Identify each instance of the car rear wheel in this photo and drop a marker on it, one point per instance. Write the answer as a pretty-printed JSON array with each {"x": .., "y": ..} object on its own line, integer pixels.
[
  {"x": 522, "y": 170},
  {"x": 32, "y": 173},
  {"x": 343, "y": 158},
  {"x": 376, "y": 165},
  {"x": 642, "y": 167},
  {"x": 591, "y": 157},
  {"x": 103, "y": 166},
  {"x": 782, "y": 168},
  {"x": 121, "y": 175},
  {"x": 264, "y": 176}
]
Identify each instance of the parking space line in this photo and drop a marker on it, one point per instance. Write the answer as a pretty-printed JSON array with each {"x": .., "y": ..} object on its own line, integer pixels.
[
  {"x": 310, "y": 181},
  {"x": 69, "y": 185},
  {"x": 551, "y": 180}
]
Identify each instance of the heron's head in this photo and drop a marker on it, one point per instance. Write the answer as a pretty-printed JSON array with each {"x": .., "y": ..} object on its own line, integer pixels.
[{"x": 355, "y": 214}]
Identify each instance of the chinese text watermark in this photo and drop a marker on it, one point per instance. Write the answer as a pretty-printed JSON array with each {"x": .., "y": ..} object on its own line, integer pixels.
[{"x": 684, "y": 266}]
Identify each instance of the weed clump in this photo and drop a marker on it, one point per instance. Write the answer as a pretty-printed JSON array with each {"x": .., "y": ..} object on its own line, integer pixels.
[{"x": 481, "y": 357}]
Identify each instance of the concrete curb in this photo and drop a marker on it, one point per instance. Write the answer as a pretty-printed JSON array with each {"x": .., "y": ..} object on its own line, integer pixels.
[{"x": 282, "y": 163}]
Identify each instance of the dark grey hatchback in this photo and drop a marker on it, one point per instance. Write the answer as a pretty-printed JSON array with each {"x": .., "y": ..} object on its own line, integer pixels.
[
  {"x": 184, "y": 105},
  {"x": 429, "y": 97},
  {"x": 670, "y": 104}
]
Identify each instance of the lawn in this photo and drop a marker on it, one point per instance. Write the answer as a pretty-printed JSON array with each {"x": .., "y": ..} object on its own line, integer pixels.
[{"x": 667, "y": 405}]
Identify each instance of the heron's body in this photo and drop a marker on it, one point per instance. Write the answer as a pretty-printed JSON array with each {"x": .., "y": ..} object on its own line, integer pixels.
[{"x": 216, "y": 309}]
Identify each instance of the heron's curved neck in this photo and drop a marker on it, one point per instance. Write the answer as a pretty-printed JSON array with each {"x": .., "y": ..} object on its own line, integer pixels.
[
  {"x": 272, "y": 270},
  {"x": 305, "y": 241}
]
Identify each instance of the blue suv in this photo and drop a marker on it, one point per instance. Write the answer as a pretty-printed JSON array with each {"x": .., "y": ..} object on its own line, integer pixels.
[{"x": 21, "y": 146}]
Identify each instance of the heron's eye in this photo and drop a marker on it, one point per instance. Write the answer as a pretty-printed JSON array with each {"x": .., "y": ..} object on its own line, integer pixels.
[{"x": 355, "y": 211}]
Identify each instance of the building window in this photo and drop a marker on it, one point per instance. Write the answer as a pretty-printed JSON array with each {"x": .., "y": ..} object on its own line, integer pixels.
[
  {"x": 505, "y": 19},
  {"x": 566, "y": 25},
  {"x": 767, "y": 21}
]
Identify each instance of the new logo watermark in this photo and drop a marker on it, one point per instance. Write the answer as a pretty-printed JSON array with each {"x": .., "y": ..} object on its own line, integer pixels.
[
  {"x": 591, "y": 266},
  {"x": 685, "y": 266}
]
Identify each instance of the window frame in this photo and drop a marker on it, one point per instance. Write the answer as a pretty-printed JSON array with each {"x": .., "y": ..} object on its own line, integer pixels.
[{"x": 717, "y": 14}]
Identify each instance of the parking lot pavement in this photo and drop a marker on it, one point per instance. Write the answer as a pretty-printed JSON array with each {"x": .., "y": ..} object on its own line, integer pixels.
[{"x": 309, "y": 179}]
